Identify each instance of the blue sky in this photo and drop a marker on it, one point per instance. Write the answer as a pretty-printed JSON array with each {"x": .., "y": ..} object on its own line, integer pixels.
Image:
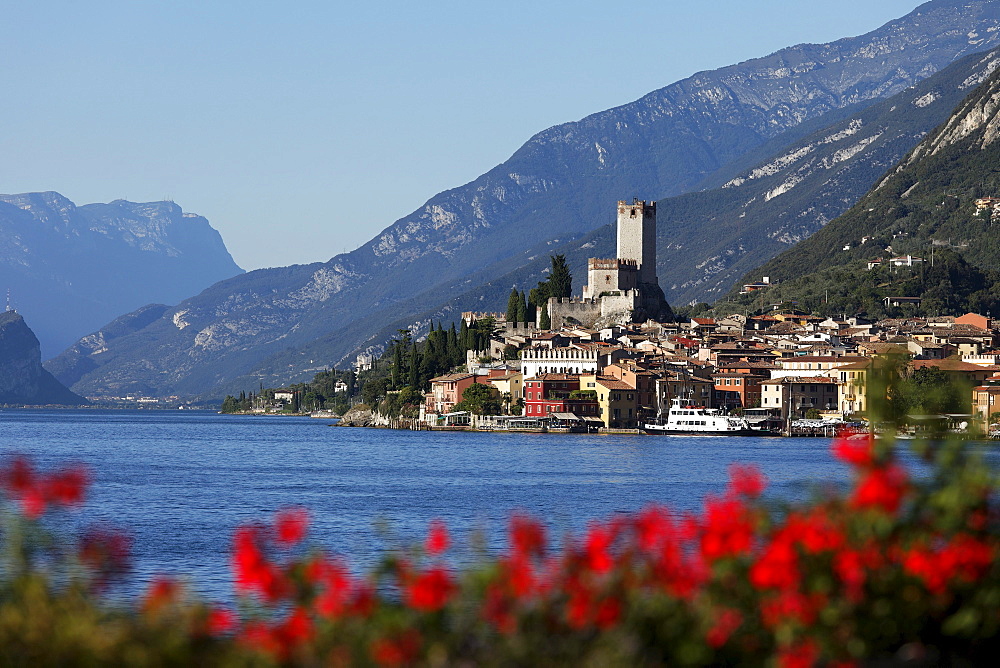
[{"x": 301, "y": 129}]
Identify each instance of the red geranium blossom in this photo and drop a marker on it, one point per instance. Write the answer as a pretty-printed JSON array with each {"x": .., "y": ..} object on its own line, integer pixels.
[
  {"x": 437, "y": 538},
  {"x": 430, "y": 590},
  {"x": 291, "y": 525}
]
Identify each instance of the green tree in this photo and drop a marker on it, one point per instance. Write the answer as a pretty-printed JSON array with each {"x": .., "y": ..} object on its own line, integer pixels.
[
  {"x": 512, "y": 302},
  {"x": 545, "y": 322},
  {"x": 560, "y": 280},
  {"x": 373, "y": 390},
  {"x": 522, "y": 307},
  {"x": 480, "y": 400}
]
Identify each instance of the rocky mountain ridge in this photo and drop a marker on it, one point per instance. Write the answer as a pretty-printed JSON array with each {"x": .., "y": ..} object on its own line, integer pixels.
[
  {"x": 71, "y": 269},
  {"x": 556, "y": 187},
  {"x": 925, "y": 207}
]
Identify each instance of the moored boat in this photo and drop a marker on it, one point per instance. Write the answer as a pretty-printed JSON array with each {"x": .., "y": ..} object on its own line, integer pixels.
[{"x": 683, "y": 418}]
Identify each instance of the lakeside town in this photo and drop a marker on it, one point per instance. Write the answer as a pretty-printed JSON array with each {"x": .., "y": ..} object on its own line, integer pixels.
[{"x": 584, "y": 364}]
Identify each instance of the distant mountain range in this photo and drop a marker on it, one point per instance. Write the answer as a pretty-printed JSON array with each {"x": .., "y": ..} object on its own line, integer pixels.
[
  {"x": 71, "y": 269},
  {"x": 706, "y": 131}
]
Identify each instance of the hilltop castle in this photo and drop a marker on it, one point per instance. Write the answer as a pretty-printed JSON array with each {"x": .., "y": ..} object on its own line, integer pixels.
[{"x": 624, "y": 288}]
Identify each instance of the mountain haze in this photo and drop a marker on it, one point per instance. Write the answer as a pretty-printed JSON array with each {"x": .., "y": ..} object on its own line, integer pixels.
[
  {"x": 560, "y": 185},
  {"x": 72, "y": 268}
]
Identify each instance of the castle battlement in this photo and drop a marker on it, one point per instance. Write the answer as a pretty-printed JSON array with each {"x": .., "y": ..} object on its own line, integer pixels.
[{"x": 620, "y": 264}]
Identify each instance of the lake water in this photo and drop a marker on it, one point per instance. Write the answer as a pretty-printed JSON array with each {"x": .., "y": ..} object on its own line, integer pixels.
[{"x": 180, "y": 481}]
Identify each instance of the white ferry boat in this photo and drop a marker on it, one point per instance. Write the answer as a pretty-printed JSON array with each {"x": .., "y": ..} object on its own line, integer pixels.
[{"x": 687, "y": 419}]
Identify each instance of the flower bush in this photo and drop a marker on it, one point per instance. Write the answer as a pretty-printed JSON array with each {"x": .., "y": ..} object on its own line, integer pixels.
[{"x": 893, "y": 569}]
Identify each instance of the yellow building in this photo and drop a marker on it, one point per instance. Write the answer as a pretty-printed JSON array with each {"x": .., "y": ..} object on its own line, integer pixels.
[
  {"x": 617, "y": 399},
  {"x": 851, "y": 391},
  {"x": 512, "y": 386}
]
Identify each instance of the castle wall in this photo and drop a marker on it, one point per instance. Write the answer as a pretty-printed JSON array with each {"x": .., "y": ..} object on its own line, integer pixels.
[
  {"x": 573, "y": 311},
  {"x": 629, "y": 300}
]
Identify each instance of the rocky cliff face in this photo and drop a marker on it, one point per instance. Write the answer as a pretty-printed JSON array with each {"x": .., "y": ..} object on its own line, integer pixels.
[
  {"x": 22, "y": 378},
  {"x": 558, "y": 186},
  {"x": 71, "y": 269}
]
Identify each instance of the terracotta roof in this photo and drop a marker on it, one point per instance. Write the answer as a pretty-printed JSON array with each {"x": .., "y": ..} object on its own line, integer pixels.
[
  {"x": 613, "y": 384},
  {"x": 794, "y": 380},
  {"x": 451, "y": 377},
  {"x": 862, "y": 363},
  {"x": 948, "y": 364}
]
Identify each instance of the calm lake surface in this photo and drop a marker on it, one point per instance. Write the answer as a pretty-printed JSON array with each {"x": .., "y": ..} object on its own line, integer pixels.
[{"x": 180, "y": 481}]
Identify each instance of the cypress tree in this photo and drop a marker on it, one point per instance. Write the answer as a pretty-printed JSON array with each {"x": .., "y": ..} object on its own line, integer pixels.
[
  {"x": 454, "y": 354},
  {"x": 522, "y": 308},
  {"x": 415, "y": 369},
  {"x": 512, "y": 305},
  {"x": 544, "y": 322},
  {"x": 397, "y": 365},
  {"x": 560, "y": 280},
  {"x": 463, "y": 337}
]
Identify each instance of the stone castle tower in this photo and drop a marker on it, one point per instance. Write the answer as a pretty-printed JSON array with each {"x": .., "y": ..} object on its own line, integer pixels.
[
  {"x": 637, "y": 237},
  {"x": 626, "y": 284}
]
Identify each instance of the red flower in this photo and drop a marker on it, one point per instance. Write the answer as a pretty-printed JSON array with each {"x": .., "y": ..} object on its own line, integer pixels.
[
  {"x": 296, "y": 630},
  {"x": 33, "y": 503},
  {"x": 597, "y": 545},
  {"x": 337, "y": 587},
  {"x": 850, "y": 568},
  {"x": 527, "y": 535},
  {"x": 67, "y": 487},
  {"x": 746, "y": 480},
  {"x": 805, "y": 654},
  {"x": 401, "y": 651},
  {"x": 430, "y": 590},
  {"x": 777, "y": 567},
  {"x": 498, "y": 610},
  {"x": 291, "y": 525},
  {"x": 609, "y": 611},
  {"x": 679, "y": 575},
  {"x": 258, "y": 636},
  {"x": 254, "y": 573},
  {"x": 791, "y": 606},
  {"x": 18, "y": 477},
  {"x": 437, "y": 538},
  {"x": 964, "y": 558},
  {"x": 36, "y": 491},
  {"x": 520, "y": 575},
  {"x": 105, "y": 551},
  {"x": 578, "y": 607},
  {"x": 162, "y": 592},
  {"x": 726, "y": 621},
  {"x": 728, "y": 530},
  {"x": 220, "y": 621},
  {"x": 881, "y": 488},
  {"x": 363, "y": 603},
  {"x": 653, "y": 526},
  {"x": 856, "y": 450}
]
